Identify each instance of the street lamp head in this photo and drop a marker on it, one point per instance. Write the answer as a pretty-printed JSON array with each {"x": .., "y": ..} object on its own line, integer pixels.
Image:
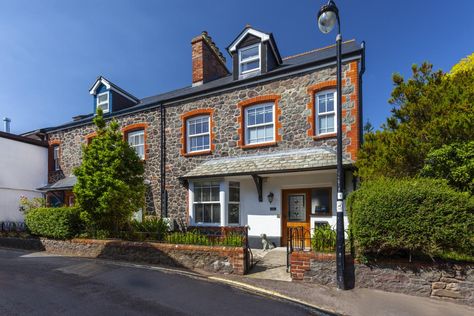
[{"x": 328, "y": 16}]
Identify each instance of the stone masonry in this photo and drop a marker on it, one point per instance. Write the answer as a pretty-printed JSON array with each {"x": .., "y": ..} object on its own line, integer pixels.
[
  {"x": 294, "y": 122},
  {"x": 450, "y": 281}
]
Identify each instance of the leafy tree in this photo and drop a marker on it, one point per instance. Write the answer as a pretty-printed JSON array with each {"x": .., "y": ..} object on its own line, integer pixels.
[
  {"x": 454, "y": 163},
  {"x": 466, "y": 64},
  {"x": 430, "y": 109},
  {"x": 110, "y": 179}
]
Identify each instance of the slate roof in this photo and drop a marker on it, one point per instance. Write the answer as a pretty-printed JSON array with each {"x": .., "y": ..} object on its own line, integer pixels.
[
  {"x": 290, "y": 64},
  {"x": 288, "y": 161},
  {"x": 63, "y": 184}
]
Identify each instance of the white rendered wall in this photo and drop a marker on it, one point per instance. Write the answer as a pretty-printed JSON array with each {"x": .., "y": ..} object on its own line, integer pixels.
[
  {"x": 23, "y": 169},
  {"x": 258, "y": 216}
]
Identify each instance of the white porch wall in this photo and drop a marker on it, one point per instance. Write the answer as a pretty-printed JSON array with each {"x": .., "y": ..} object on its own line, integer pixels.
[
  {"x": 258, "y": 216},
  {"x": 23, "y": 168}
]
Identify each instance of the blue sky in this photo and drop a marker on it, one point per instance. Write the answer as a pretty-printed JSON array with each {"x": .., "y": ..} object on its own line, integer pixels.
[{"x": 52, "y": 51}]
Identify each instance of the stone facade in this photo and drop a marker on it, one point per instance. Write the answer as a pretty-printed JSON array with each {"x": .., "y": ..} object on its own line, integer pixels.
[
  {"x": 449, "y": 281},
  {"x": 296, "y": 108},
  {"x": 215, "y": 259}
]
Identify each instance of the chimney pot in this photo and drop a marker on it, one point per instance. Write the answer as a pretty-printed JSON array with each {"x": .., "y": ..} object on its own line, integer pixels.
[{"x": 6, "y": 124}]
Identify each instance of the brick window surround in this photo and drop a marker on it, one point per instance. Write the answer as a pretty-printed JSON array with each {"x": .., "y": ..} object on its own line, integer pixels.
[
  {"x": 89, "y": 137},
  {"x": 191, "y": 114},
  {"x": 313, "y": 90},
  {"x": 277, "y": 125},
  {"x": 137, "y": 127},
  {"x": 52, "y": 144}
]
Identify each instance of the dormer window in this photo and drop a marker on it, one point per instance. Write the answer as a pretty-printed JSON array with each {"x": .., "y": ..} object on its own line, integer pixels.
[
  {"x": 103, "y": 101},
  {"x": 249, "y": 60}
]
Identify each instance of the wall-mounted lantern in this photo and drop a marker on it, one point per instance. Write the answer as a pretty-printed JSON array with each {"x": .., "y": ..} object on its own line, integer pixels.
[{"x": 270, "y": 197}]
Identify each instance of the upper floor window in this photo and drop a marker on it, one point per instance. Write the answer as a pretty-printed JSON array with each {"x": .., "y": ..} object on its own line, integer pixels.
[
  {"x": 325, "y": 112},
  {"x": 198, "y": 133},
  {"x": 259, "y": 123},
  {"x": 249, "y": 59},
  {"x": 103, "y": 101},
  {"x": 56, "y": 158},
  {"x": 136, "y": 139}
]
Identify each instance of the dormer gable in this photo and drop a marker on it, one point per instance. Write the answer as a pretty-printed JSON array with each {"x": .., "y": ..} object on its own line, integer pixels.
[
  {"x": 110, "y": 97},
  {"x": 253, "y": 52}
]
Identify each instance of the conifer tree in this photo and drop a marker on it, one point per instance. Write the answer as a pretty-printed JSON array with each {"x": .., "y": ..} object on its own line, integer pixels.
[{"x": 110, "y": 183}]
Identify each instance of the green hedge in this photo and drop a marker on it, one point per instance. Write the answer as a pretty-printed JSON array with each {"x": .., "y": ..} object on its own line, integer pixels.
[
  {"x": 415, "y": 216},
  {"x": 58, "y": 222}
]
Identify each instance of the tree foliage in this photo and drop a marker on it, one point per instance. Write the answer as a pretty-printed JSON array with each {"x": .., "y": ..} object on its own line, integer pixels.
[
  {"x": 455, "y": 163},
  {"x": 430, "y": 109},
  {"x": 110, "y": 179},
  {"x": 54, "y": 222}
]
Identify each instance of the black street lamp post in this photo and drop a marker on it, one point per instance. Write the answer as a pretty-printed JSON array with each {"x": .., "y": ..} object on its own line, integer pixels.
[{"x": 328, "y": 16}]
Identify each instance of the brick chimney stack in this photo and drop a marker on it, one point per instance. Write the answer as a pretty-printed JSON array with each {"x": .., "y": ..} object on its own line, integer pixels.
[{"x": 208, "y": 61}]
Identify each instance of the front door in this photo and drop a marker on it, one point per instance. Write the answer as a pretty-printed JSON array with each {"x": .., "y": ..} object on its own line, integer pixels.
[{"x": 296, "y": 209}]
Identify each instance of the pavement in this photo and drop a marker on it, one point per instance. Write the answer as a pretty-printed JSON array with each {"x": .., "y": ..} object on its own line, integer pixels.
[
  {"x": 44, "y": 284},
  {"x": 267, "y": 277}
]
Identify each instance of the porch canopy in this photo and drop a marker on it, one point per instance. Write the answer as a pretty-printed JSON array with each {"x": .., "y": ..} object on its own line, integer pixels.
[
  {"x": 60, "y": 185},
  {"x": 260, "y": 164}
]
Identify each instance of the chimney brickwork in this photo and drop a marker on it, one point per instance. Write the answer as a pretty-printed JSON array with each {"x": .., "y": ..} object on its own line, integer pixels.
[{"x": 208, "y": 61}]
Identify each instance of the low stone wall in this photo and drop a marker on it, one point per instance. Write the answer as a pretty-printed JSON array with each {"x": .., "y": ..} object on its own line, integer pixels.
[
  {"x": 451, "y": 281},
  {"x": 216, "y": 259}
]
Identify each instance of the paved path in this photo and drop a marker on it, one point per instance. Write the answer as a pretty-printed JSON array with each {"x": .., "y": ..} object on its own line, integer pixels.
[
  {"x": 270, "y": 264},
  {"x": 357, "y": 302},
  {"x": 41, "y": 284}
]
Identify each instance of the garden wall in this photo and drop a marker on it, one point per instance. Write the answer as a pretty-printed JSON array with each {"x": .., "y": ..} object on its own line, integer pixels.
[
  {"x": 437, "y": 280},
  {"x": 216, "y": 259}
]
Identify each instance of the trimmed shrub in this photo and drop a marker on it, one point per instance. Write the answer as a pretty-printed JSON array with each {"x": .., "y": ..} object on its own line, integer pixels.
[
  {"x": 411, "y": 216},
  {"x": 54, "y": 222}
]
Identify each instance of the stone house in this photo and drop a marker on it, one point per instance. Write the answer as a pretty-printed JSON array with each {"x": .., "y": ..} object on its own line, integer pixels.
[{"x": 253, "y": 146}]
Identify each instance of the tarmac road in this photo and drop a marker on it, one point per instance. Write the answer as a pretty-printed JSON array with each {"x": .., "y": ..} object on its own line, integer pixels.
[{"x": 41, "y": 284}]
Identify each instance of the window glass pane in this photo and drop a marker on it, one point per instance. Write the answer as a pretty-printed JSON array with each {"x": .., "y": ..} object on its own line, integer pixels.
[
  {"x": 207, "y": 213},
  {"x": 322, "y": 124},
  {"x": 252, "y": 135},
  {"x": 216, "y": 213},
  {"x": 249, "y": 53},
  {"x": 250, "y": 65},
  {"x": 197, "y": 194},
  {"x": 103, "y": 98},
  {"x": 330, "y": 123},
  {"x": 206, "y": 194},
  {"x": 269, "y": 116},
  {"x": 269, "y": 133},
  {"x": 234, "y": 210},
  {"x": 322, "y": 103},
  {"x": 321, "y": 200},
  {"x": 215, "y": 193},
  {"x": 330, "y": 102},
  {"x": 198, "y": 213},
  {"x": 234, "y": 192}
]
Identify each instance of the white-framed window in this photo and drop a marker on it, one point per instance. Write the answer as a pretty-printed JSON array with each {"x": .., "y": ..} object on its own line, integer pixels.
[
  {"x": 198, "y": 133},
  {"x": 233, "y": 207},
  {"x": 325, "y": 112},
  {"x": 103, "y": 101},
  {"x": 249, "y": 59},
  {"x": 56, "y": 157},
  {"x": 259, "y": 123},
  {"x": 206, "y": 204},
  {"x": 136, "y": 139}
]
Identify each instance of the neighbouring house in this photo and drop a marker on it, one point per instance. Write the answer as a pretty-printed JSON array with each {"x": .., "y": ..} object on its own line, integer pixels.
[
  {"x": 22, "y": 171},
  {"x": 254, "y": 145}
]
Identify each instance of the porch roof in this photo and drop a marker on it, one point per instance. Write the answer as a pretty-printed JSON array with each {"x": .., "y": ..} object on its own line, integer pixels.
[
  {"x": 280, "y": 162},
  {"x": 63, "y": 184}
]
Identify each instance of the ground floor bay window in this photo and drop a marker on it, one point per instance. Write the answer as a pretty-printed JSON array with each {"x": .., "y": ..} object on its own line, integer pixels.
[{"x": 214, "y": 203}]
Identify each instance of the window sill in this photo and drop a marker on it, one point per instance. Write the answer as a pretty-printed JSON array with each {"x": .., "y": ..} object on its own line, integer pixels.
[
  {"x": 259, "y": 145},
  {"x": 198, "y": 153},
  {"x": 324, "y": 136}
]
